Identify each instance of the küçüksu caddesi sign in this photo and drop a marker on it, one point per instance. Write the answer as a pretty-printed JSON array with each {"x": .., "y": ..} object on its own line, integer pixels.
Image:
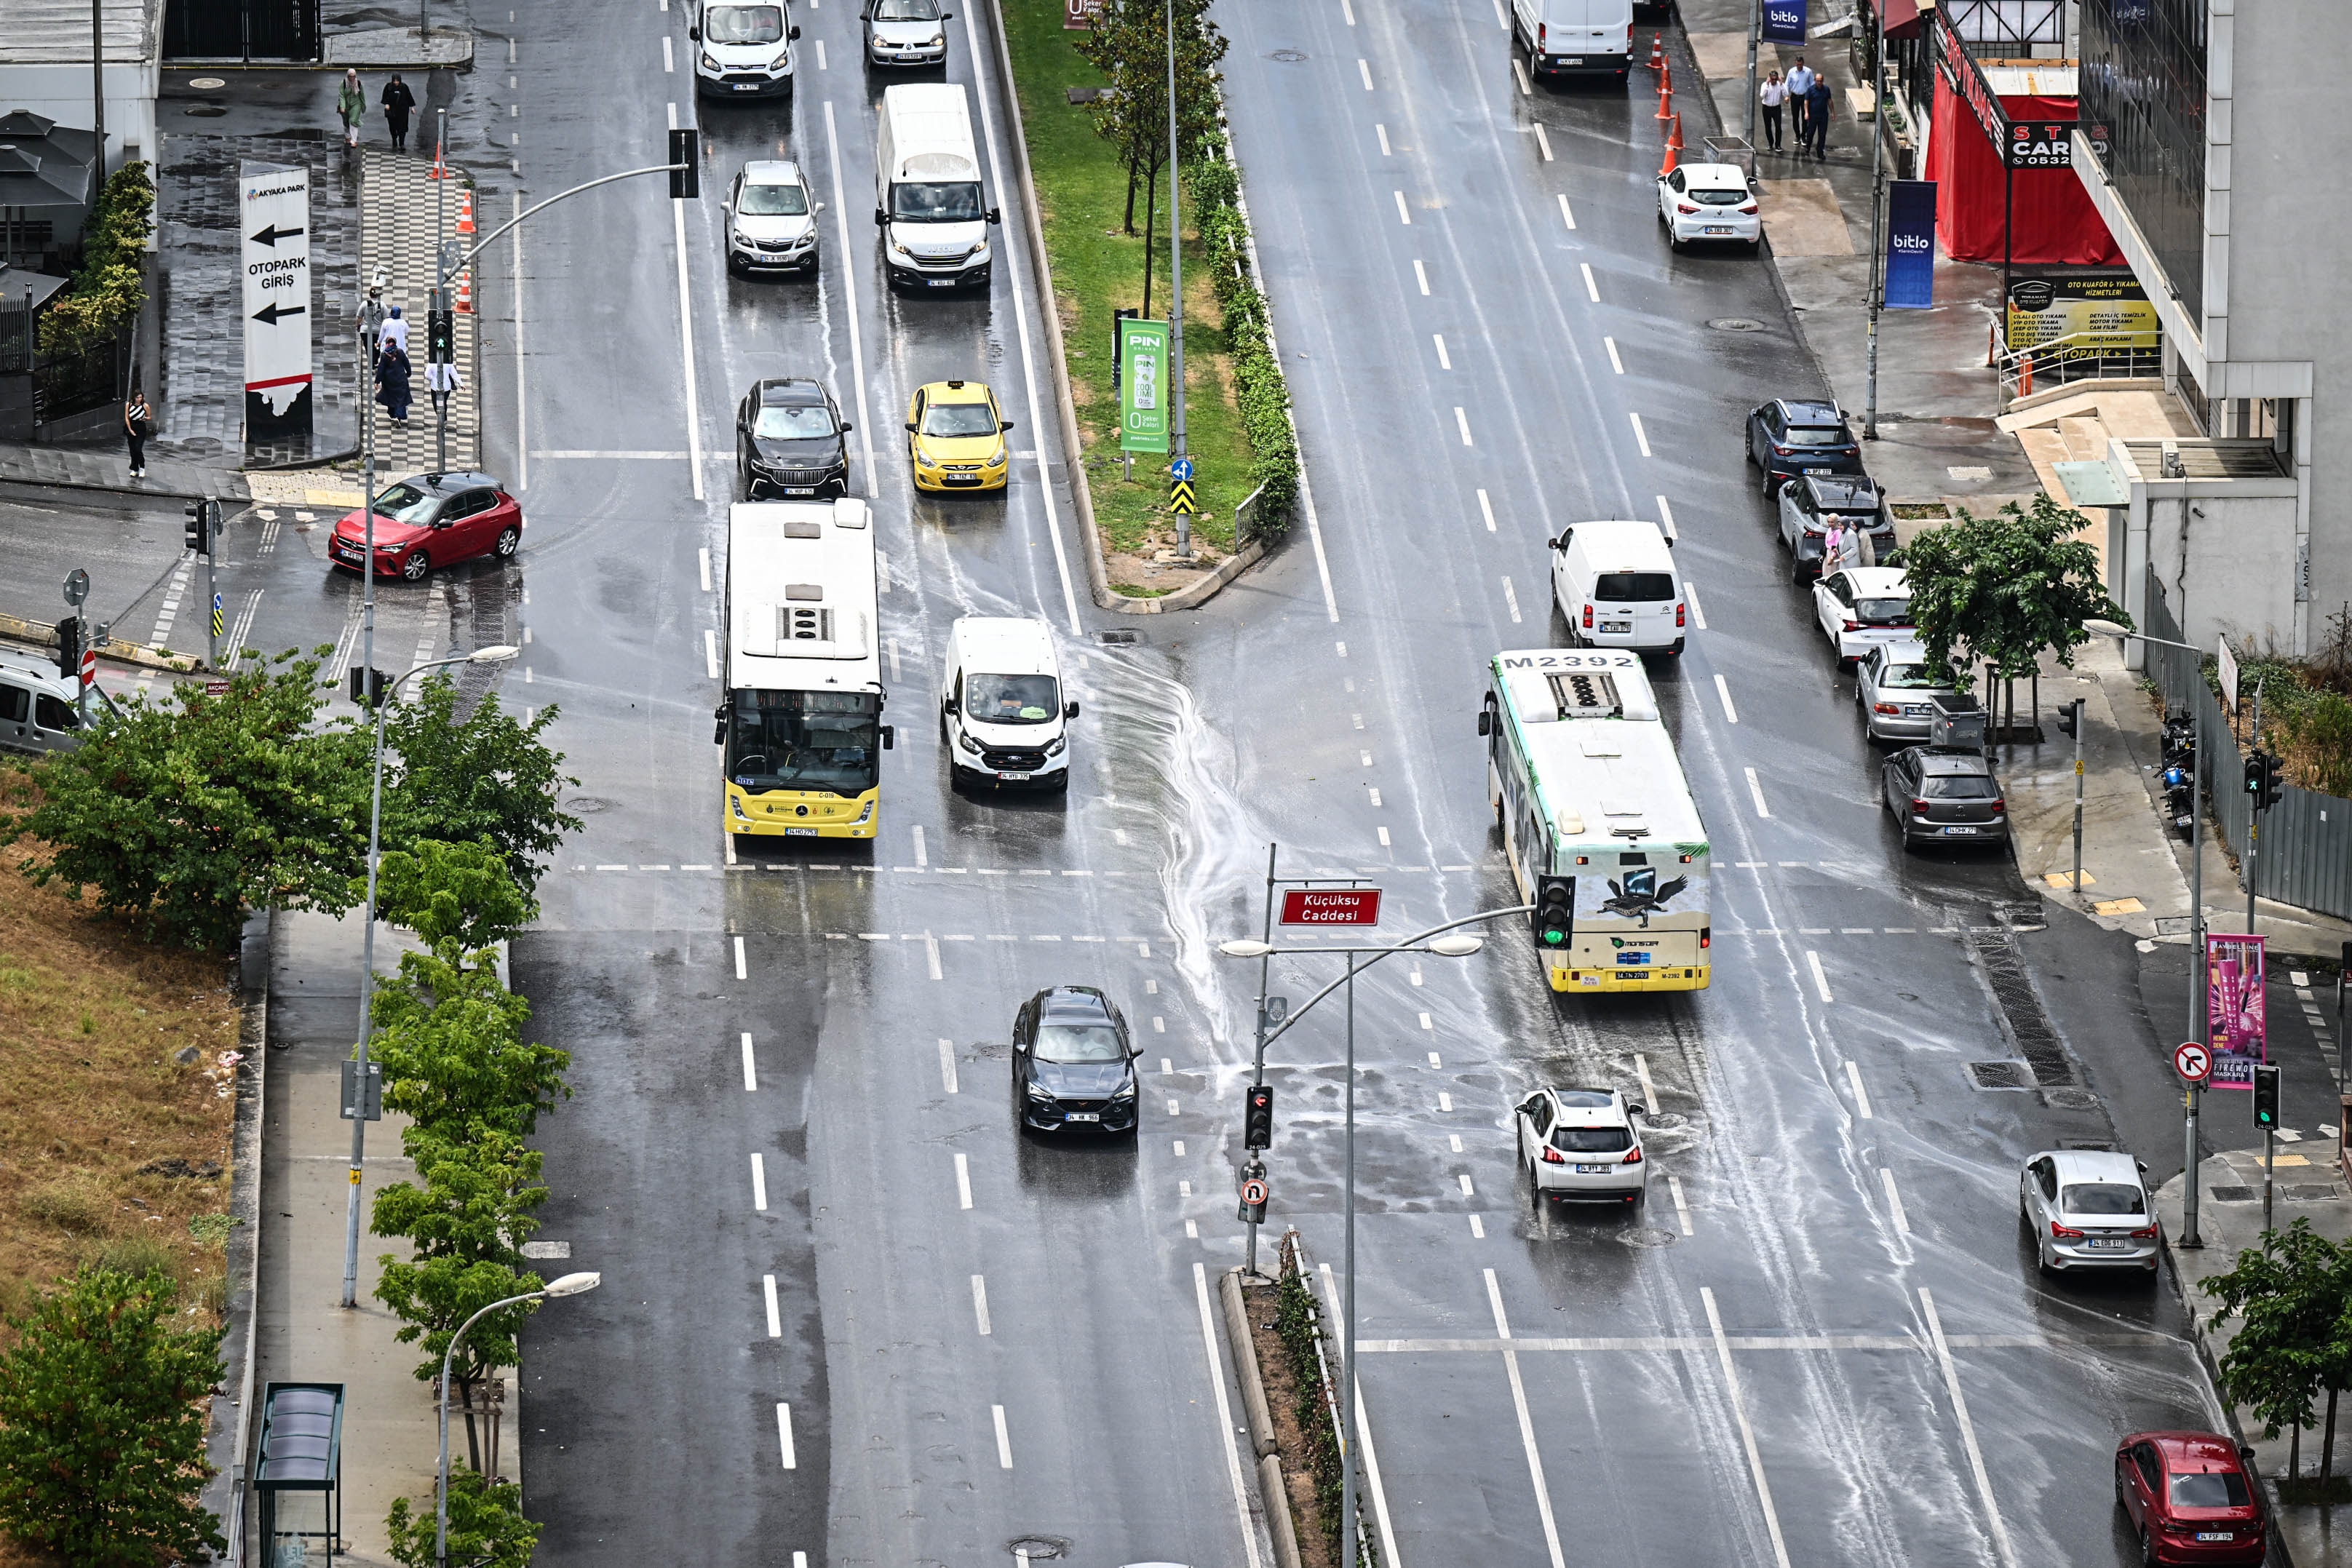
[{"x": 1331, "y": 906}]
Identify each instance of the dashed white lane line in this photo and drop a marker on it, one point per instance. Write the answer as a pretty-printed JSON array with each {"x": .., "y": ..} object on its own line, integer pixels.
[
  {"x": 1463, "y": 1177},
  {"x": 980, "y": 1302},
  {"x": 776, "y": 1313},
  {"x": 1443, "y": 362},
  {"x": 1383, "y": 133},
  {"x": 1364, "y": 68},
  {"x": 1682, "y": 1208},
  {"x": 1486, "y": 510},
  {"x": 1723, "y": 690},
  {"x": 1756, "y": 794},
  {"x": 1501, "y": 20},
  {"x": 1967, "y": 1433},
  {"x": 739, "y": 972},
  {"x": 1454, "y": 1141},
  {"x": 1894, "y": 1201},
  {"x": 750, "y": 1065},
  {"x": 1428, "y": 1022},
  {"x": 820, "y": 54},
  {"x": 784, "y": 1434},
  {"x": 1511, "y": 597},
  {"x": 947, "y": 1065},
  {"x": 963, "y": 1182},
  {"x": 1527, "y": 87},
  {"x": 1543, "y": 142},
  {"x": 1747, "y": 1432},
  {"x": 1404, "y": 213},
  {"x": 932, "y": 955},
  {"x": 1421, "y": 276},
  {"x": 758, "y": 1183},
  {"x": 1004, "y": 1440},
  {"x": 1615, "y": 364},
  {"x": 1349, "y": 12},
  {"x": 1690, "y": 597},
  {"x": 1861, "y": 1095},
  {"x": 1527, "y": 1424},
  {"x": 1566, "y": 213},
  {"x": 1435, "y": 1063},
  {"x": 1649, "y": 1089},
  {"x": 1591, "y": 290},
  {"x": 1444, "y": 1101},
  {"x": 710, "y": 651},
  {"x": 1641, "y": 436},
  {"x": 1821, "y": 981},
  {"x": 922, "y": 858},
  {"x": 1462, "y": 423},
  {"x": 1385, "y": 836},
  {"x": 1216, "y": 1370},
  {"x": 669, "y": 56}
]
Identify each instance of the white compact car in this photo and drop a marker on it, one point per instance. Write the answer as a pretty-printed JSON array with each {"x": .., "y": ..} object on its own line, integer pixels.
[
  {"x": 1863, "y": 607},
  {"x": 906, "y": 33},
  {"x": 1578, "y": 1145},
  {"x": 1711, "y": 203},
  {"x": 2088, "y": 1208},
  {"x": 770, "y": 222}
]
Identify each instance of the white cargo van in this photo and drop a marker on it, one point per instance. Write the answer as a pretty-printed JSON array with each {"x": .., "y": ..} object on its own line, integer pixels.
[
  {"x": 1615, "y": 581},
  {"x": 1002, "y": 715},
  {"x": 742, "y": 48},
  {"x": 927, "y": 195},
  {"x": 1576, "y": 37},
  {"x": 38, "y": 711}
]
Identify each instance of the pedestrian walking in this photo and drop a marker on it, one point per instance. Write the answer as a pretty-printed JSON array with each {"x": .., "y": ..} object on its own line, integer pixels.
[
  {"x": 370, "y": 319},
  {"x": 399, "y": 103},
  {"x": 391, "y": 383},
  {"x": 350, "y": 107},
  {"x": 1802, "y": 78},
  {"x": 442, "y": 383},
  {"x": 137, "y": 424},
  {"x": 396, "y": 331},
  {"x": 1817, "y": 116},
  {"x": 1772, "y": 95}
]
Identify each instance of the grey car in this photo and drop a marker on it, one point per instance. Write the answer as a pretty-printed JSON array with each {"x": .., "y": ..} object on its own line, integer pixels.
[
  {"x": 1943, "y": 795},
  {"x": 2088, "y": 1208},
  {"x": 38, "y": 711},
  {"x": 1809, "y": 504},
  {"x": 1894, "y": 693},
  {"x": 906, "y": 33}
]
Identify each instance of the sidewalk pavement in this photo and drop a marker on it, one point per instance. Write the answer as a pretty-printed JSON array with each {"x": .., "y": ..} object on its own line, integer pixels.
[
  {"x": 403, "y": 211},
  {"x": 108, "y": 467}
]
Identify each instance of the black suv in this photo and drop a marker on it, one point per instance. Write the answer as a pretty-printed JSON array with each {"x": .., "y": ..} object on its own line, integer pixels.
[
  {"x": 789, "y": 440},
  {"x": 1945, "y": 794},
  {"x": 1072, "y": 1064},
  {"x": 1789, "y": 437}
]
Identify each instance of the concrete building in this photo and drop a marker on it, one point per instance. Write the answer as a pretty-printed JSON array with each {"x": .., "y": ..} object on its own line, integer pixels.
[
  {"x": 44, "y": 67},
  {"x": 2211, "y": 192}
]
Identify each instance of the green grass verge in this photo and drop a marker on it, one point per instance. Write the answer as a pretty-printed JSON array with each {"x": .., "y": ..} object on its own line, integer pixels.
[{"x": 1081, "y": 195}]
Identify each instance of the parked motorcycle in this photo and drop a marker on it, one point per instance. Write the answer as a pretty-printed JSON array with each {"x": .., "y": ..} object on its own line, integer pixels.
[{"x": 2180, "y": 776}]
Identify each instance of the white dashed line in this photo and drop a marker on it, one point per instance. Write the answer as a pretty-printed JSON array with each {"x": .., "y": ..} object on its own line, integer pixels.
[
  {"x": 1567, "y": 214},
  {"x": 1384, "y": 838},
  {"x": 1690, "y": 597},
  {"x": 1004, "y": 1440},
  {"x": 1861, "y": 1095},
  {"x": 669, "y": 56},
  {"x": 775, "y": 1314},
  {"x": 1526, "y": 88},
  {"x": 1501, "y": 20},
  {"x": 1427, "y": 1023},
  {"x": 820, "y": 54},
  {"x": 1894, "y": 1201},
  {"x": 1349, "y": 12},
  {"x": 1365, "y": 69},
  {"x": 1511, "y": 597},
  {"x": 751, "y": 1066},
  {"x": 1465, "y": 1179},
  {"x": 705, "y": 554},
  {"x": 1543, "y": 142},
  {"x": 1649, "y": 1090},
  {"x": 710, "y": 650},
  {"x": 1641, "y": 436},
  {"x": 784, "y": 1434},
  {"x": 1462, "y": 423},
  {"x": 1591, "y": 290},
  {"x": 758, "y": 1183},
  {"x": 1615, "y": 363},
  {"x": 1434, "y": 1060},
  {"x": 1421, "y": 276},
  {"x": 1454, "y": 1141},
  {"x": 1756, "y": 794},
  {"x": 1477, "y": 1228},
  {"x": 1404, "y": 213},
  {"x": 739, "y": 972},
  {"x": 963, "y": 1182},
  {"x": 1682, "y": 1208},
  {"x": 1723, "y": 690},
  {"x": 1383, "y": 131},
  {"x": 1486, "y": 510},
  {"x": 1444, "y": 1101},
  {"x": 980, "y": 1302},
  {"x": 1821, "y": 981},
  {"x": 947, "y": 1065},
  {"x": 1443, "y": 364}
]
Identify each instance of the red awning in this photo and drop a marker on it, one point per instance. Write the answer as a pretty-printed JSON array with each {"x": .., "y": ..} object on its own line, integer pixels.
[
  {"x": 1903, "y": 18},
  {"x": 2048, "y": 212}
]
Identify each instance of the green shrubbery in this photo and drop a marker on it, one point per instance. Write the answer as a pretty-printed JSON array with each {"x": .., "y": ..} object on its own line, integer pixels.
[
  {"x": 110, "y": 287},
  {"x": 1258, "y": 384}
]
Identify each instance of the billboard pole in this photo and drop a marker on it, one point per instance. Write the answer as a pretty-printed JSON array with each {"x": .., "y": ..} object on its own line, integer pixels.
[{"x": 1878, "y": 209}]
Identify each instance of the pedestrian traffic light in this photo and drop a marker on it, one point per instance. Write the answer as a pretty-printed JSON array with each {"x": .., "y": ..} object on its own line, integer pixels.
[
  {"x": 2070, "y": 717},
  {"x": 69, "y": 647},
  {"x": 440, "y": 331},
  {"x": 2272, "y": 787},
  {"x": 365, "y": 685},
  {"x": 197, "y": 529},
  {"x": 2266, "y": 1097},
  {"x": 1257, "y": 1122},
  {"x": 1555, "y": 911},
  {"x": 685, "y": 164}
]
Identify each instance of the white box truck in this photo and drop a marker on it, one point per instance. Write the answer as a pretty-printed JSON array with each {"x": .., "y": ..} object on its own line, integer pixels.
[{"x": 927, "y": 191}]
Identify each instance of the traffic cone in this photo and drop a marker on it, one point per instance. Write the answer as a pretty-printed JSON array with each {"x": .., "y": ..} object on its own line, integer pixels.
[
  {"x": 1666, "y": 102},
  {"x": 1674, "y": 135},
  {"x": 440, "y": 165},
  {"x": 2025, "y": 376},
  {"x": 465, "y": 212},
  {"x": 1674, "y": 155},
  {"x": 1657, "y": 51},
  {"x": 465, "y": 292}
]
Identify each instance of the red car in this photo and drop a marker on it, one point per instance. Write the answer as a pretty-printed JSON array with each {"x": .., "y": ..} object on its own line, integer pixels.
[
  {"x": 429, "y": 520},
  {"x": 2192, "y": 1498}
]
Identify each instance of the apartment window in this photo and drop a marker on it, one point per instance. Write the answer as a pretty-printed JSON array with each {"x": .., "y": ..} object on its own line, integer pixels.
[{"x": 2143, "y": 82}]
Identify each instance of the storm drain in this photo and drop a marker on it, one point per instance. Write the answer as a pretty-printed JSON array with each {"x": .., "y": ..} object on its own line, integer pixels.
[
  {"x": 2001, "y": 1075},
  {"x": 2021, "y": 1010},
  {"x": 1118, "y": 639},
  {"x": 2228, "y": 1193}
]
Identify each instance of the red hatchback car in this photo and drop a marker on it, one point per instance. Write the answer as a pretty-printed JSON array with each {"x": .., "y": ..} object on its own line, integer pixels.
[
  {"x": 2191, "y": 1497},
  {"x": 429, "y": 520}
]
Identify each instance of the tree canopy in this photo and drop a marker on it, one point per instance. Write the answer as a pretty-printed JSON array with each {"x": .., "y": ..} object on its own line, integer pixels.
[{"x": 2001, "y": 590}]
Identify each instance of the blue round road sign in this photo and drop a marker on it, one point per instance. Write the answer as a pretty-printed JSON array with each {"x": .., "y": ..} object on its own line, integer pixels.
[{"x": 1180, "y": 469}]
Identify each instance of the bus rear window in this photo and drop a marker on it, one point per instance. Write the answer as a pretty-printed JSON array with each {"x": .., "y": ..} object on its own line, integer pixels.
[{"x": 1634, "y": 587}]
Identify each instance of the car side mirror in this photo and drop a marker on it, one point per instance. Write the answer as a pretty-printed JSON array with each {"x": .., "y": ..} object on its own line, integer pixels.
[
  {"x": 1486, "y": 721},
  {"x": 1003, "y": 424},
  {"x": 881, "y": 218},
  {"x": 718, "y": 716},
  {"x": 694, "y": 33},
  {"x": 993, "y": 216},
  {"x": 1558, "y": 542},
  {"x": 950, "y": 706},
  {"x": 846, "y": 427},
  {"x": 890, "y": 738},
  {"x": 794, "y": 34},
  {"x": 910, "y": 427},
  {"x": 442, "y": 522},
  {"x": 726, "y": 206},
  {"x": 818, "y": 208},
  {"x": 1070, "y": 710},
  {"x": 2245, "y": 1454}
]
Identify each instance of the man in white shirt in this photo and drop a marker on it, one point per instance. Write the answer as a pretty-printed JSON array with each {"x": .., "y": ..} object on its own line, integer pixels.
[{"x": 1802, "y": 78}]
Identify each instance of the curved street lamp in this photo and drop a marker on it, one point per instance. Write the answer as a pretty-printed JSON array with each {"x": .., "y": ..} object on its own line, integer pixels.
[{"x": 568, "y": 1285}]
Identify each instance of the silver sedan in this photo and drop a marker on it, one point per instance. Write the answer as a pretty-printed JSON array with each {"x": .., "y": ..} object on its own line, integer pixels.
[
  {"x": 1894, "y": 693},
  {"x": 2088, "y": 1208}
]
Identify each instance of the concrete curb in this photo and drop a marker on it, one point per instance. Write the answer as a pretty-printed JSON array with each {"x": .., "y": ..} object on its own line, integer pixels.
[
  {"x": 138, "y": 492},
  {"x": 1277, "y": 1513},
  {"x": 1243, "y": 1347},
  {"x": 230, "y": 1436},
  {"x": 114, "y": 648}
]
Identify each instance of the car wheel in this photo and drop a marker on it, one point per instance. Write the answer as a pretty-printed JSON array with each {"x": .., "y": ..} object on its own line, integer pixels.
[
  {"x": 1796, "y": 567},
  {"x": 1756, "y": 248},
  {"x": 509, "y": 541},
  {"x": 413, "y": 569},
  {"x": 1768, "y": 485},
  {"x": 2121, "y": 1490},
  {"x": 2147, "y": 1549}
]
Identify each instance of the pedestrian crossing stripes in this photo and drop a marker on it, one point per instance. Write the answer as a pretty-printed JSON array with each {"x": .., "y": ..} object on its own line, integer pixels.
[{"x": 405, "y": 213}]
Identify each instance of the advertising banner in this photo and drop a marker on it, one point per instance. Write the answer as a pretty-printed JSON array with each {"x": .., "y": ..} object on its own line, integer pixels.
[
  {"x": 1911, "y": 244},
  {"x": 1078, "y": 15},
  {"x": 2235, "y": 1015},
  {"x": 1143, "y": 386},
  {"x": 276, "y": 256},
  {"x": 2098, "y": 314},
  {"x": 1784, "y": 21}
]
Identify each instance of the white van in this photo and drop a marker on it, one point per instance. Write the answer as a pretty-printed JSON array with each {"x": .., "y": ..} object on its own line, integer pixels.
[
  {"x": 1575, "y": 37},
  {"x": 38, "y": 711},
  {"x": 927, "y": 195},
  {"x": 1002, "y": 716},
  {"x": 742, "y": 48},
  {"x": 1615, "y": 581}
]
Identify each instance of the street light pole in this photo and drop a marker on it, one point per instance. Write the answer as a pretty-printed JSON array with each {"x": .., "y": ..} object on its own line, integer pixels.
[
  {"x": 497, "y": 654},
  {"x": 569, "y": 1285},
  {"x": 1175, "y": 290},
  {"x": 1257, "y": 1055}
]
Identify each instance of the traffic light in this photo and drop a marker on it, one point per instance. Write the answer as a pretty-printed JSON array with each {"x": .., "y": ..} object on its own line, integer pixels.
[
  {"x": 1257, "y": 1122},
  {"x": 2272, "y": 787},
  {"x": 2266, "y": 1097},
  {"x": 1555, "y": 913},
  {"x": 686, "y": 164},
  {"x": 440, "y": 329},
  {"x": 69, "y": 647},
  {"x": 365, "y": 685},
  {"x": 198, "y": 530},
  {"x": 2070, "y": 717}
]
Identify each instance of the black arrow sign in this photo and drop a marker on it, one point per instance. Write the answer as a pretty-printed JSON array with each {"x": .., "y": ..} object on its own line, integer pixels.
[
  {"x": 271, "y": 234},
  {"x": 268, "y": 314}
]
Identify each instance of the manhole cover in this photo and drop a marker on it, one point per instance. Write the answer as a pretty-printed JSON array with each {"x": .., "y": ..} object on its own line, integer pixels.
[
  {"x": 1647, "y": 1236},
  {"x": 1288, "y": 57},
  {"x": 206, "y": 111},
  {"x": 205, "y": 83},
  {"x": 1736, "y": 324},
  {"x": 1120, "y": 639},
  {"x": 2229, "y": 1194},
  {"x": 587, "y": 805},
  {"x": 200, "y": 444},
  {"x": 2310, "y": 1194},
  {"x": 2070, "y": 1099},
  {"x": 1037, "y": 1548},
  {"x": 2002, "y": 1075}
]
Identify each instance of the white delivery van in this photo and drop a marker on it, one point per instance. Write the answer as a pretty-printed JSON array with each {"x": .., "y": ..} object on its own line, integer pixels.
[
  {"x": 38, "y": 711},
  {"x": 1576, "y": 37},
  {"x": 927, "y": 195},
  {"x": 1002, "y": 715},
  {"x": 742, "y": 48},
  {"x": 1615, "y": 581}
]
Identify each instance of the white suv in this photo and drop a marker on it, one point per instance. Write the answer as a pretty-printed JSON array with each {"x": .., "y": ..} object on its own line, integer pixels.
[{"x": 1579, "y": 1144}]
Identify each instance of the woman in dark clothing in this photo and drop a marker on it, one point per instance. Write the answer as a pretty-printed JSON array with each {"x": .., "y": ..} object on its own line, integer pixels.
[
  {"x": 137, "y": 424},
  {"x": 399, "y": 103},
  {"x": 391, "y": 383}
]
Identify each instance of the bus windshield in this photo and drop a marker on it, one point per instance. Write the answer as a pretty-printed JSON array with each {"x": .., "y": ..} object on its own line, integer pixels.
[{"x": 805, "y": 740}]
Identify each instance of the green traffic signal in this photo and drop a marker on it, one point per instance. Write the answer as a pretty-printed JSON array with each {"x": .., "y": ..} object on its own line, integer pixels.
[{"x": 1555, "y": 911}]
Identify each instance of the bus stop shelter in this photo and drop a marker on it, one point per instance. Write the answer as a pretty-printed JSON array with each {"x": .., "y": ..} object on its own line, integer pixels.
[{"x": 298, "y": 1474}]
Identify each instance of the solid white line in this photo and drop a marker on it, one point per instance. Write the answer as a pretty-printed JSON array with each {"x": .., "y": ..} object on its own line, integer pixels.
[
  {"x": 784, "y": 1434},
  {"x": 1364, "y": 67},
  {"x": 1566, "y": 214},
  {"x": 1404, "y": 213},
  {"x": 1443, "y": 364},
  {"x": 1641, "y": 436},
  {"x": 775, "y": 1314},
  {"x": 947, "y": 1065},
  {"x": 710, "y": 650},
  {"x": 1462, "y": 423},
  {"x": 1861, "y": 1095},
  {"x": 1690, "y": 597},
  {"x": 1020, "y": 329},
  {"x": 669, "y": 60},
  {"x": 1511, "y": 597},
  {"x": 1224, "y": 1408},
  {"x": 1756, "y": 794},
  {"x": 523, "y": 425},
  {"x": 740, "y": 973},
  {"x": 1894, "y": 1200},
  {"x": 1821, "y": 981},
  {"x": 1615, "y": 363},
  {"x": 1526, "y": 1425},
  {"x": 1382, "y": 131},
  {"x": 963, "y": 1182},
  {"x": 1746, "y": 1433},
  {"x": 1543, "y": 142},
  {"x": 1682, "y": 1209},
  {"x": 1372, "y": 1471},
  {"x": 980, "y": 1302},
  {"x": 1421, "y": 276},
  {"x": 750, "y": 1065},
  {"x": 758, "y": 1183},
  {"x": 920, "y": 858},
  {"x": 849, "y": 287},
  {"x": 1526, "y": 88},
  {"x": 1723, "y": 690},
  {"x": 1486, "y": 510},
  {"x": 705, "y": 554},
  {"x": 1004, "y": 1440},
  {"x": 686, "y": 348},
  {"x": 1967, "y": 1432},
  {"x": 1591, "y": 290}
]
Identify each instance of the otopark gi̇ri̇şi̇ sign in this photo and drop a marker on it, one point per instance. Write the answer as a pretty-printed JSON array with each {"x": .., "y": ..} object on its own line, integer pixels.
[{"x": 273, "y": 209}]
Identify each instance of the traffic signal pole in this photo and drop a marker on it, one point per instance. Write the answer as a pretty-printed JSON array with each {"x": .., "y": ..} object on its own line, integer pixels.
[{"x": 2254, "y": 805}]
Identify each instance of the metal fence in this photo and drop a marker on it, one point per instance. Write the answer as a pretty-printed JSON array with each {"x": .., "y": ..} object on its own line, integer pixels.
[
  {"x": 16, "y": 334},
  {"x": 2305, "y": 857}
]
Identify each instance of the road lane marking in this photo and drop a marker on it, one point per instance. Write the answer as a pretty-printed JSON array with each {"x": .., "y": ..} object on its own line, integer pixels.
[
  {"x": 1385, "y": 836},
  {"x": 1967, "y": 1432},
  {"x": 1821, "y": 981},
  {"x": 1383, "y": 131},
  {"x": 820, "y": 54},
  {"x": 1349, "y": 12},
  {"x": 1511, "y": 597},
  {"x": 750, "y": 1065},
  {"x": 1404, "y": 213},
  {"x": 1364, "y": 67},
  {"x": 740, "y": 973},
  {"x": 1454, "y": 1141},
  {"x": 776, "y": 1313},
  {"x": 1543, "y": 142},
  {"x": 1591, "y": 288},
  {"x": 758, "y": 1183},
  {"x": 1565, "y": 213},
  {"x": 1756, "y": 794},
  {"x": 1526, "y": 88},
  {"x": 1641, "y": 436},
  {"x": 1444, "y": 1101},
  {"x": 686, "y": 338},
  {"x": 1477, "y": 1229},
  {"x": 784, "y": 1434},
  {"x": 1723, "y": 690},
  {"x": 922, "y": 858},
  {"x": 1463, "y": 1177},
  {"x": 1443, "y": 364},
  {"x": 1690, "y": 597},
  {"x": 947, "y": 1065},
  {"x": 1527, "y": 1424},
  {"x": 710, "y": 650},
  {"x": 1615, "y": 363},
  {"x": 1682, "y": 1209},
  {"x": 1216, "y": 1370},
  {"x": 1421, "y": 276},
  {"x": 1746, "y": 1433},
  {"x": 849, "y": 287},
  {"x": 522, "y": 424},
  {"x": 963, "y": 1182},
  {"x": 1486, "y": 510},
  {"x": 1500, "y": 20},
  {"x": 1004, "y": 1440},
  {"x": 1434, "y": 1062},
  {"x": 1894, "y": 1200},
  {"x": 1649, "y": 1090},
  {"x": 980, "y": 1302},
  {"x": 669, "y": 59},
  {"x": 1371, "y": 1470},
  {"x": 705, "y": 554},
  {"x": 1462, "y": 423},
  {"x": 1861, "y": 1095},
  {"x": 931, "y": 954}
]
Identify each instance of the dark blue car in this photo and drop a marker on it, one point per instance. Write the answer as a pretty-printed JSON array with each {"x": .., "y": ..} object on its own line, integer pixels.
[{"x": 1789, "y": 437}]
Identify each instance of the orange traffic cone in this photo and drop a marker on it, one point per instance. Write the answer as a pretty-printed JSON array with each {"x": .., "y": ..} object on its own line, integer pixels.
[
  {"x": 1657, "y": 51},
  {"x": 465, "y": 212},
  {"x": 1673, "y": 160},
  {"x": 1665, "y": 104},
  {"x": 465, "y": 292},
  {"x": 1666, "y": 75},
  {"x": 1674, "y": 135},
  {"x": 440, "y": 165}
]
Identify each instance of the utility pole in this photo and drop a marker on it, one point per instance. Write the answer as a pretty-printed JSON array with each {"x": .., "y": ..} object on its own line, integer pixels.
[
  {"x": 2078, "y": 800},
  {"x": 1175, "y": 289},
  {"x": 2253, "y": 812},
  {"x": 1878, "y": 304},
  {"x": 98, "y": 81},
  {"x": 442, "y": 384},
  {"x": 367, "y": 939},
  {"x": 1258, "y": 1053},
  {"x": 1755, "y": 33}
]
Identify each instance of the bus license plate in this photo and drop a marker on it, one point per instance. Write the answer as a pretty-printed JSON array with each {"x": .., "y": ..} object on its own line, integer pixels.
[
  {"x": 1081, "y": 1115},
  {"x": 799, "y": 832},
  {"x": 1624, "y": 626}
]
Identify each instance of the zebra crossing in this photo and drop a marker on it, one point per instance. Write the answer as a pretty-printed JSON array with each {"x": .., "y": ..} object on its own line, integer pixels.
[{"x": 405, "y": 213}]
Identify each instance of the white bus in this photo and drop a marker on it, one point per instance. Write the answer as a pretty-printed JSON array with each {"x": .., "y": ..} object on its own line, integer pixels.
[
  {"x": 1586, "y": 786},
  {"x": 802, "y": 719}
]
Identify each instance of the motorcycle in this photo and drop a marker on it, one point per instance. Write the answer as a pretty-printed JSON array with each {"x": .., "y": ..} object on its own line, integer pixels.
[{"x": 2180, "y": 775}]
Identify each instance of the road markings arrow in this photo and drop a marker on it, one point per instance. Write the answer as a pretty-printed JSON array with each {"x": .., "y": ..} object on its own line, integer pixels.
[
  {"x": 271, "y": 234},
  {"x": 268, "y": 314}
]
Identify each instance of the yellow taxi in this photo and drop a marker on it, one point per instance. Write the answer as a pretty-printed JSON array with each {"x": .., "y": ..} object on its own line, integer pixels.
[{"x": 955, "y": 436}]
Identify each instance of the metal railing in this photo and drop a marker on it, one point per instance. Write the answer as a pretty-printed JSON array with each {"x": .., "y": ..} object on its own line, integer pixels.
[{"x": 2076, "y": 357}]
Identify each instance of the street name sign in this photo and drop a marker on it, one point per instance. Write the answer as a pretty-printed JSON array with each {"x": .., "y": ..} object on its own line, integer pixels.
[
  {"x": 275, "y": 254},
  {"x": 1331, "y": 906}
]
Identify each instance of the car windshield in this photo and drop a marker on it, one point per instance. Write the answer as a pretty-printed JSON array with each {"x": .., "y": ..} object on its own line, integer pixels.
[
  {"x": 907, "y": 11},
  {"x": 1957, "y": 787},
  {"x": 795, "y": 421},
  {"x": 1011, "y": 699},
  {"x": 1591, "y": 1140},
  {"x": 1905, "y": 677},
  {"x": 1078, "y": 1043},
  {"x": 743, "y": 25},
  {"x": 1883, "y": 611},
  {"x": 804, "y": 740},
  {"x": 1720, "y": 198},
  {"x": 1814, "y": 436},
  {"x": 1636, "y": 587},
  {"x": 2101, "y": 1197},
  {"x": 2222, "y": 1488},
  {"x": 952, "y": 202},
  {"x": 774, "y": 201},
  {"x": 954, "y": 419},
  {"x": 408, "y": 503}
]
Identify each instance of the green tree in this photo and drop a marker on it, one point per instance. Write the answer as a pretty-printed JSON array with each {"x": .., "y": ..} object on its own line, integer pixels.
[
  {"x": 1129, "y": 44},
  {"x": 432, "y": 1297},
  {"x": 464, "y": 893},
  {"x": 487, "y": 1529},
  {"x": 185, "y": 812},
  {"x": 450, "y": 1038},
  {"x": 110, "y": 285},
  {"x": 485, "y": 777},
  {"x": 2291, "y": 1303},
  {"x": 102, "y": 1424}
]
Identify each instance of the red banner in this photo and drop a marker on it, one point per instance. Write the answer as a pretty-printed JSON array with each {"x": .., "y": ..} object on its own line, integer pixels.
[{"x": 1331, "y": 906}]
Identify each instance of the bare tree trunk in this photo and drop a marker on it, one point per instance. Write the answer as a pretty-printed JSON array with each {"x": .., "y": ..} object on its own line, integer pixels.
[
  {"x": 1128, "y": 226},
  {"x": 2294, "y": 1453},
  {"x": 473, "y": 1439},
  {"x": 2328, "y": 1446}
]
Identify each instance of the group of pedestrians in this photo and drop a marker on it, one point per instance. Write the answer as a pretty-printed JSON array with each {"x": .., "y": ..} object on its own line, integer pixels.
[
  {"x": 1805, "y": 93},
  {"x": 387, "y": 335},
  {"x": 399, "y": 102}
]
